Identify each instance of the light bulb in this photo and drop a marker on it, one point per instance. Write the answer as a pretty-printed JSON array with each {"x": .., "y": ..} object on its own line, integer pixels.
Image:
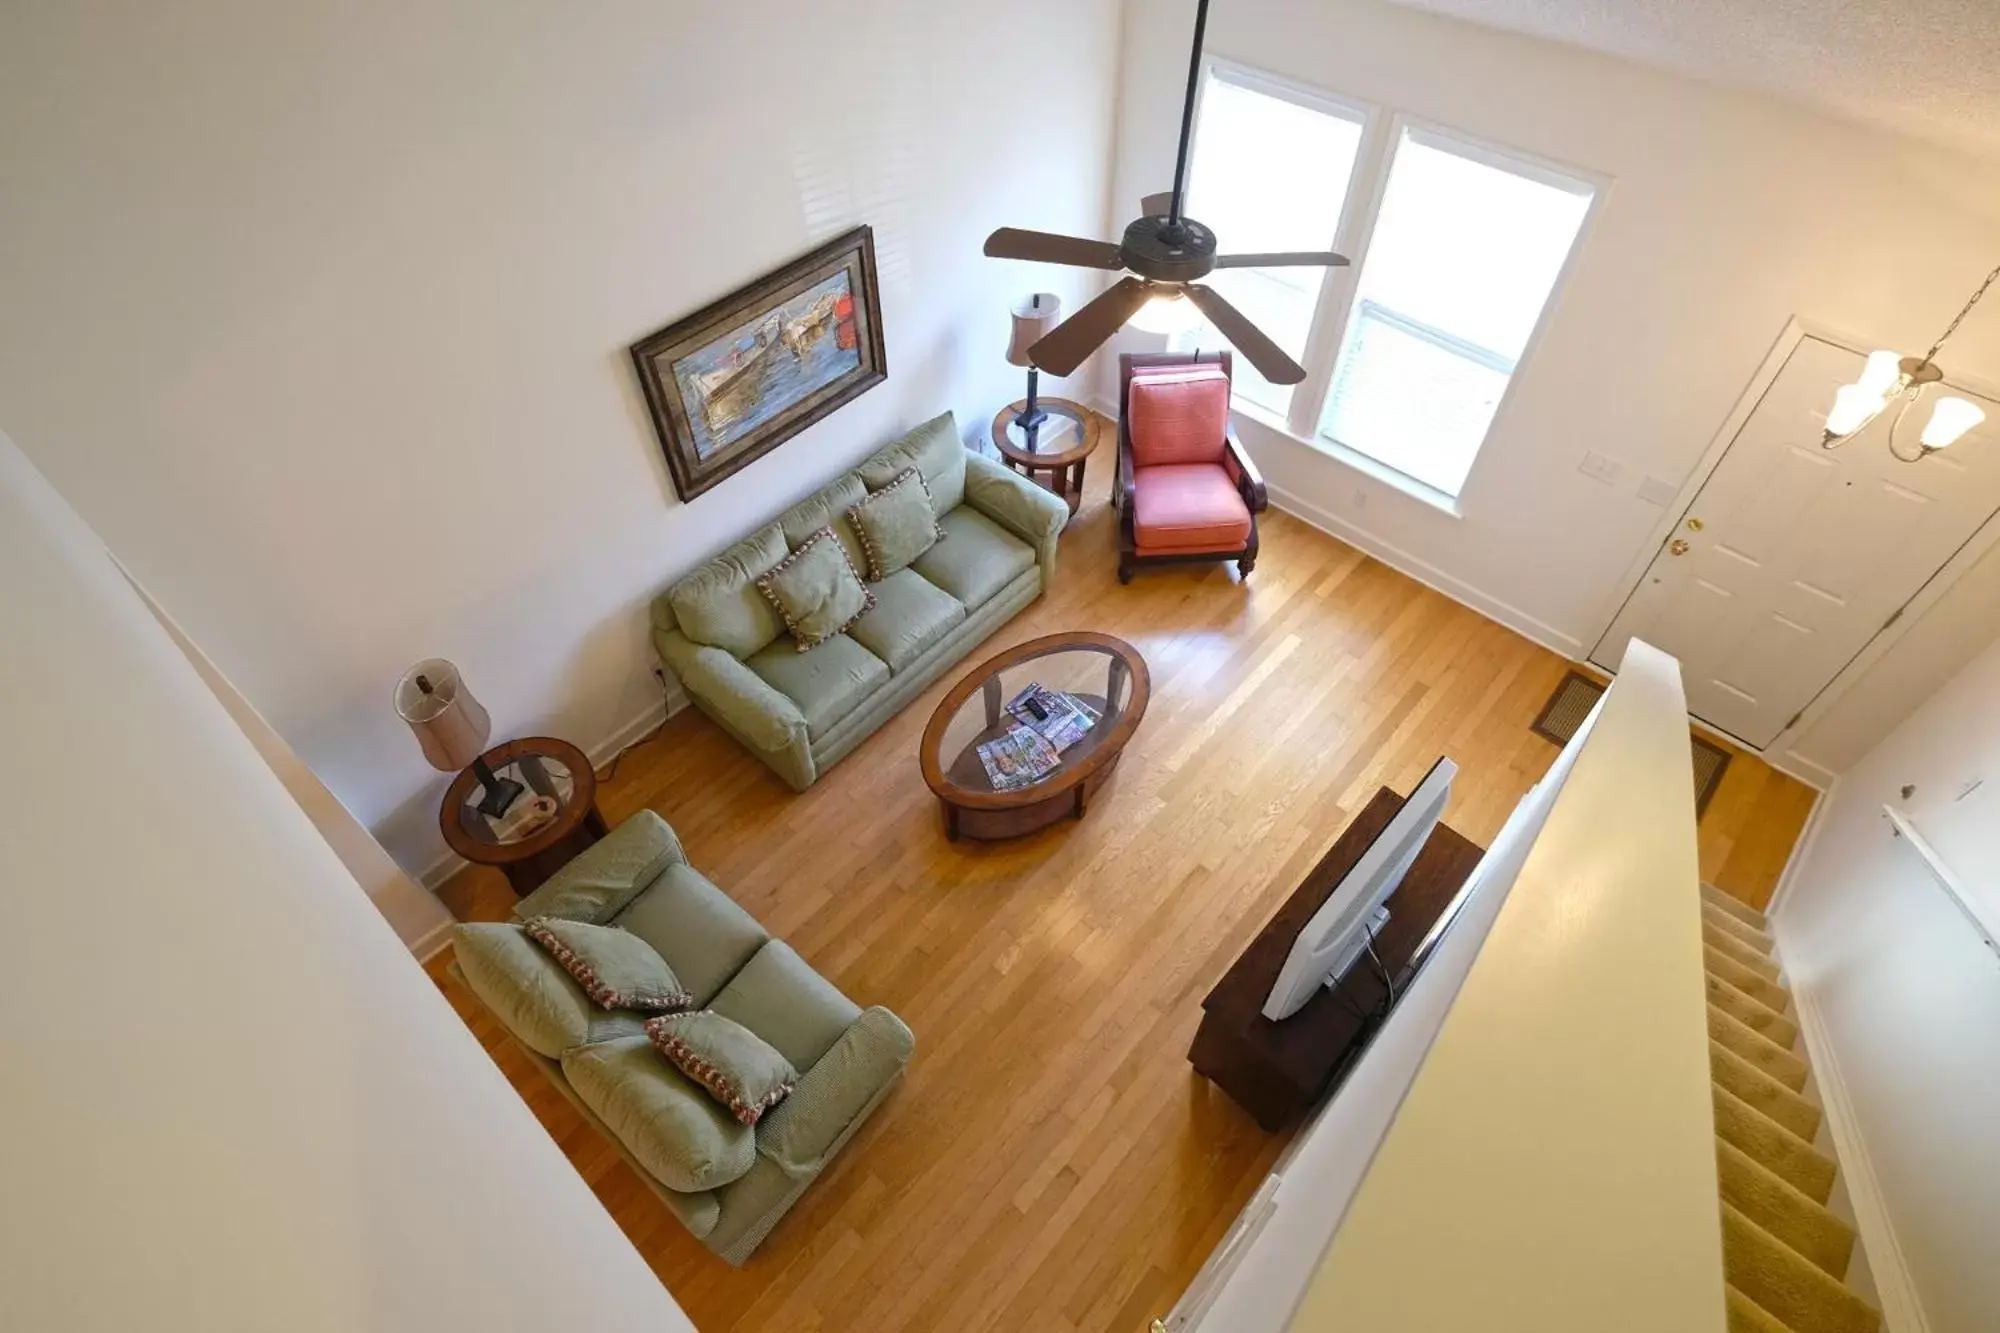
[
  {"x": 1167, "y": 313},
  {"x": 1853, "y": 407},
  {"x": 1949, "y": 420},
  {"x": 1882, "y": 375}
]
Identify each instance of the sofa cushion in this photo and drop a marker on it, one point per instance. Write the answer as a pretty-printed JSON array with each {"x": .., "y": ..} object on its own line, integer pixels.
[
  {"x": 976, "y": 558},
  {"x": 826, "y": 683},
  {"x": 827, "y": 508},
  {"x": 601, "y": 880},
  {"x": 933, "y": 449},
  {"x": 1178, "y": 415},
  {"x": 1188, "y": 507},
  {"x": 719, "y": 605},
  {"x": 701, "y": 932},
  {"x": 737, "y": 1067},
  {"x": 524, "y": 987},
  {"x": 911, "y": 613},
  {"x": 781, "y": 999},
  {"x": 896, "y": 524},
  {"x": 616, "y": 968},
  {"x": 817, "y": 590},
  {"x": 679, "y": 1133}
]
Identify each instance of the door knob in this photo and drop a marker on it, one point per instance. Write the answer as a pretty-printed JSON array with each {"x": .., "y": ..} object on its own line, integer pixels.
[
  {"x": 1694, "y": 525},
  {"x": 1677, "y": 547}
]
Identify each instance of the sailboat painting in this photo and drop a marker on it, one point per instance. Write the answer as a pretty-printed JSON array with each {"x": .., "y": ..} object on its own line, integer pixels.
[{"x": 732, "y": 382}]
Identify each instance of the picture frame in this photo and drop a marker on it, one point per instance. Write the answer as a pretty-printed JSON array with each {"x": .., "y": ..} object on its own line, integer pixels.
[{"x": 737, "y": 378}]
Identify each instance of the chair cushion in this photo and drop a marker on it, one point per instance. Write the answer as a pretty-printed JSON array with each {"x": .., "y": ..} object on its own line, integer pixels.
[
  {"x": 781, "y": 999},
  {"x": 826, "y": 683},
  {"x": 933, "y": 449},
  {"x": 1187, "y": 507},
  {"x": 976, "y": 558},
  {"x": 817, "y": 590},
  {"x": 701, "y": 932},
  {"x": 911, "y": 613},
  {"x": 616, "y": 968},
  {"x": 1178, "y": 415},
  {"x": 719, "y": 604},
  {"x": 896, "y": 524},
  {"x": 679, "y": 1133},
  {"x": 739, "y": 1068}
]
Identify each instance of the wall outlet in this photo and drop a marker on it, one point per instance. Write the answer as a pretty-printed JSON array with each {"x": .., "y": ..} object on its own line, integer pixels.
[
  {"x": 1658, "y": 491},
  {"x": 1600, "y": 468}
]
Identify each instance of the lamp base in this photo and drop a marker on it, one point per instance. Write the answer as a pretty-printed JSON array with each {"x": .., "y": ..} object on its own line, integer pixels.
[
  {"x": 1032, "y": 420},
  {"x": 501, "y": 793}
]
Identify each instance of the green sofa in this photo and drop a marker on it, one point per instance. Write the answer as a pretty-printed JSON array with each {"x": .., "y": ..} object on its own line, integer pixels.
[
  {"x": 727, "y": 1183},
  {"x": 802, "y": 712}
]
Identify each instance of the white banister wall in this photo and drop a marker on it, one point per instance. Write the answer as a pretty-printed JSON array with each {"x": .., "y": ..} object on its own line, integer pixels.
[{"x": 230, "y": 1097}]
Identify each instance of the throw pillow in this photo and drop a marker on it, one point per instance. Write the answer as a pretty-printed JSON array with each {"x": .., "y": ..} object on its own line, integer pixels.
[
  {"x": 896, "y": 524},
  {"x": 738, "y": 1067},
  {"x": 616, "y": 968},
  {"x": 816, "y": 590}
]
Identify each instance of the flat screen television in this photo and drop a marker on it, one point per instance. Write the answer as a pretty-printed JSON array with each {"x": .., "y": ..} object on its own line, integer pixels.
[{"x": 1354, "y": 913}]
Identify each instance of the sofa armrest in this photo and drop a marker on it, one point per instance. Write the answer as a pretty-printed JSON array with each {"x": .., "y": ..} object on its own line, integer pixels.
[
  {"x": 1243, "y": 472},
  {"x": 598, "y": 884},
  {"x": 1032, "y": 513},
  {"x": 802, "y": 1131},
  {"x": 732, "y": 691}
]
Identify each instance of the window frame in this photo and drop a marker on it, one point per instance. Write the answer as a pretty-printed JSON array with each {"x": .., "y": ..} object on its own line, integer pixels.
[{"x": 1383, "y": 129}]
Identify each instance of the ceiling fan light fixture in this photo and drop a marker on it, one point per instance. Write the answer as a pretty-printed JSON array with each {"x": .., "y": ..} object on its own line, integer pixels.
[{"x": 1167, "y": 312}]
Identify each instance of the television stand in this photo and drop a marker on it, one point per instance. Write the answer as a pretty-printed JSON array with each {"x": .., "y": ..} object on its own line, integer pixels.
[{"x": 1277, "y": 1071}]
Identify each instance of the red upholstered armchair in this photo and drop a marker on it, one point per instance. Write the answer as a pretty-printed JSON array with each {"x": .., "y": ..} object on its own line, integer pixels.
[{"x": 1185, "y": 488}]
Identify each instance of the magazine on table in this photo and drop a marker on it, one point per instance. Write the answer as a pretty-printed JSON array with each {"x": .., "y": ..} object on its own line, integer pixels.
[
  {"x": 1059, "y": 717},
  {"x": 1020, "y": 757}
]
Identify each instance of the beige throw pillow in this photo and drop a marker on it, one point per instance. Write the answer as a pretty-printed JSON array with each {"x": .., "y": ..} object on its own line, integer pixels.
[
  {"x": 816, "y": 590},
  {"x": 897, "y": 524}
]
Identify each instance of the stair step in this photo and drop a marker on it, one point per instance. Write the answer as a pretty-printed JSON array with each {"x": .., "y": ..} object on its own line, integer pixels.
[
  {"x": 1737, "y": 926},
  {"x": 1786, "y": 1285},
  {"x": 1746, "y": 1316},
  {"x": 1758, "y": 1049},
  {"x": 1760, "y": 988},
  {"x": 1736, "y": 907},
  {"x": 1772, "y": 1146},
  {"x": 1783, "y": 1211},
  {"x": 1752, "y": 1012},
  {"x": 1735, "y": 949},
  {"x": 1763, "y": 1092}
]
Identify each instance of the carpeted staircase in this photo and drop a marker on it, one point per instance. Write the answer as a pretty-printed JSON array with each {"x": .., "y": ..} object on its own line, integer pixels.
[{"x": 1784, "y": 1254}]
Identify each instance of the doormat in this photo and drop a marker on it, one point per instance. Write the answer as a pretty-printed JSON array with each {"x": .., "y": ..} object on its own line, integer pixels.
[{"x": 1578, "y": 694}]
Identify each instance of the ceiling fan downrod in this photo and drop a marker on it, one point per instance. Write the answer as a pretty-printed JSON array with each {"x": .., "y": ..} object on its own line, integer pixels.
[{"x": 1174, "y": 229}]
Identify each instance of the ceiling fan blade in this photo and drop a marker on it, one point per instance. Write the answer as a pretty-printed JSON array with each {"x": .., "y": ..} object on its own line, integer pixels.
[
  {"x": 1071, "y": 342},
  {"x": 1156, "y": 205},
  {"x": 1271, "y": 360},
  {"x": 1282, "y": 259},
  {"x": 1049, "y": 248}
]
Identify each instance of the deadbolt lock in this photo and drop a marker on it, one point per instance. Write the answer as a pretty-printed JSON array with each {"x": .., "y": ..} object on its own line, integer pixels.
[
  {"x": 1677, "y": 547},
  {"x": 1694, "y": 525}
]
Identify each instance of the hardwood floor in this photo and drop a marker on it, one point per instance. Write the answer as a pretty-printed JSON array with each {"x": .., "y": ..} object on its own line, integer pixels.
[{"x": 1051, "y": 1162}]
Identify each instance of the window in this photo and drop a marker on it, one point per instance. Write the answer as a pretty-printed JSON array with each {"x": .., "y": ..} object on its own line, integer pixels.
[
  {"x": 1465, "y": 253},
  {"x": 1270, "y": 171}
]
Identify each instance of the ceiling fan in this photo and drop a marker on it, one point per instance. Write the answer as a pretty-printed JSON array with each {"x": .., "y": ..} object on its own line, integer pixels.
[{"x": 1162, "y": 255}]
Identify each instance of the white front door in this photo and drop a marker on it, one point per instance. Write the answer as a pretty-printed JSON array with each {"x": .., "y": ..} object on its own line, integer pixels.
[{"x": 1792, "y": 557}]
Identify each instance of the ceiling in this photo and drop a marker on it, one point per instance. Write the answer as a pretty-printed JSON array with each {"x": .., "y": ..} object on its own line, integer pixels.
[{"x": 1929, "y": 68}]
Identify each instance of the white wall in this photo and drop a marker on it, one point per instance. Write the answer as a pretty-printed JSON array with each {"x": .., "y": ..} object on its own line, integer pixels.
[
  {"x": 231, "y": 1100},
  {"x": 1907, "y": 996},
  {"x": 319, "y": 314},
  {"x": 1728, "y": 214}
]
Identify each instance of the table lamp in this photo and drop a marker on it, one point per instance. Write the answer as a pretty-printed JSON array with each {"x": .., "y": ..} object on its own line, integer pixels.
[
  {"x": 452, "y": 728},
  {"x": 1033, "y": 319}
]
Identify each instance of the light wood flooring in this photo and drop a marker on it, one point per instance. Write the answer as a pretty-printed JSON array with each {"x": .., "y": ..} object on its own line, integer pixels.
[{"x": 1051, "y": 1162}]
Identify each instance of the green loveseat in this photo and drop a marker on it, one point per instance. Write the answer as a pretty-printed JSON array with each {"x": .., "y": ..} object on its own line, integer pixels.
[
  {"x": 802, "y": 712},
  {"x": 727, "y": 1183}
]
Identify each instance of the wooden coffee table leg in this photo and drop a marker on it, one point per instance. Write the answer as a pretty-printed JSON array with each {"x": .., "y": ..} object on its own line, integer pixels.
[
  {"x": 991, "y": 692},
  {"x": 951, "y": 823}
]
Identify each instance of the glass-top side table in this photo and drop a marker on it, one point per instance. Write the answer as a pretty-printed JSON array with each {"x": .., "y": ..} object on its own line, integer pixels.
[
  {"x": 1054, "y": 452},
  {"x": 554, "y": 818}
]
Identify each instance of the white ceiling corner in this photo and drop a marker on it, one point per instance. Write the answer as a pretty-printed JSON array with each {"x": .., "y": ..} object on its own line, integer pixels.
[{"x": 1926, "y": 68}]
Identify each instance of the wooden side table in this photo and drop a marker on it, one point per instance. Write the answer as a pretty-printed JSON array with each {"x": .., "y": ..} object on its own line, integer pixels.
[
  {"x": 547, "y": 768},
  {"x": 1056, "y": 449}
]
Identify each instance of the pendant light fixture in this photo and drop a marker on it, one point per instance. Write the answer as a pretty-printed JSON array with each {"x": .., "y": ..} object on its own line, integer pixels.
[{"x": 1889, "y": 376}]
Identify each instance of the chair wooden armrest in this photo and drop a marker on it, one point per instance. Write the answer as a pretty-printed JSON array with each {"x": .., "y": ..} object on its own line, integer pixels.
[
  {"x": 1125, "y": 470},
  {"x": 1248, "y": 480}
]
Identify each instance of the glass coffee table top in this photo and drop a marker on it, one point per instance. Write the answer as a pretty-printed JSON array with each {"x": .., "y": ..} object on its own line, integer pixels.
[{"x": 1035, "y": 715}]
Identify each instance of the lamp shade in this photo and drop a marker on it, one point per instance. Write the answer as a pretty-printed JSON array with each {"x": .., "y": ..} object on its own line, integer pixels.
[
  {"x": 449, "y": 723},
  {"x": 1951, "y": 418},
  {"x": 1033, "y": 318}
]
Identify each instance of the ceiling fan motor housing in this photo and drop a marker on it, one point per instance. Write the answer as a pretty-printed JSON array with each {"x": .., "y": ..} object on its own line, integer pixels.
[{"x": 1167, "y": 251}]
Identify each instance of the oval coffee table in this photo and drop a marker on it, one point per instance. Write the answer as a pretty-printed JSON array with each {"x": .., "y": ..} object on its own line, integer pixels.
[{"x": 1105, "y": 674}]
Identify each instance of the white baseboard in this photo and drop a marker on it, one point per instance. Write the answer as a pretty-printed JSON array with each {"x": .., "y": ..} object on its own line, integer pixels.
[
  {"x": 652, "y": 716},
  {"x": 1902, "y": 1310},
  {"x": 1527, "y": 626},
  {"x": 432, "y": 942}
]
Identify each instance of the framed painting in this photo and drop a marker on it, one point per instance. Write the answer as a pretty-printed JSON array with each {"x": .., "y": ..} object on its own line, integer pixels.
[{"x": 738, "y": 378}]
